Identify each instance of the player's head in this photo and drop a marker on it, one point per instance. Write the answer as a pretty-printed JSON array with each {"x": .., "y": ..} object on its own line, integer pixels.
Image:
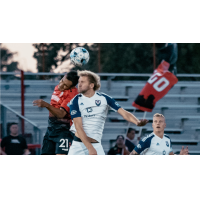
[
  {"x": 14, "y": 129},
  {"x": 120, "y": 140},
  {"x": 88, "y": 81},
  {"x": 158, "y": 123},
  {"x": 68, "y": 81},
  {"x": 131, "y": 133}
]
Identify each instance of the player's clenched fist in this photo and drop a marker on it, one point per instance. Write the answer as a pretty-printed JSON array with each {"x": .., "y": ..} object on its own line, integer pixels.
[
  {"x": 40, "y": 103},
  {"x": 142, "y": 122}
]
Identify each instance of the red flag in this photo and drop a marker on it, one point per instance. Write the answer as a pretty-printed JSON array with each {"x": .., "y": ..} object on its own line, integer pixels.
[{"x": 156, "y": 88}]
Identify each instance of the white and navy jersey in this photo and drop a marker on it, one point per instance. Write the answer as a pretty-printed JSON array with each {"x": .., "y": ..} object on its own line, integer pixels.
[
  {"x": 154, "y": 145},
  {"x": 93, "y": 111}
]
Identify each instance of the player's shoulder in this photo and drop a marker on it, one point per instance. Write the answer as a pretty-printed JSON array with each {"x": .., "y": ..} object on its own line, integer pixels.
[
  {"x": 166, "y": 136},
  {"x": 5, "y": 138},
  {"x": 76, "y": 98},
  {"x": 103, "y": 94},
  {"x": 148, "y": 138},
  {"x": 56, "y": 88}
]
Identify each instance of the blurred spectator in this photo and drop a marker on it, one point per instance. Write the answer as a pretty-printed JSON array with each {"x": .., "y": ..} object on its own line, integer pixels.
[
  {"x": 14, "y": 144},
  {"x": 130, "y": 136},
  {"x": 119, "y": 148}
]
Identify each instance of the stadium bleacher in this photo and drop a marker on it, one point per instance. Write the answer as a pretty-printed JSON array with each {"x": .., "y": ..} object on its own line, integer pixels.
[{"x": 181, "y": 107}]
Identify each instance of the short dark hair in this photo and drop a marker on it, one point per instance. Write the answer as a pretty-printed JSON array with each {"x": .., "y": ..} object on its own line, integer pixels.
[
  {"x": 12, "y": 123},
  {"x": 131, "y": 129},
  {"x": 9, "y": 125},
  {"x": 120, "y": 136},
  {"x": 73, "y": 77}
]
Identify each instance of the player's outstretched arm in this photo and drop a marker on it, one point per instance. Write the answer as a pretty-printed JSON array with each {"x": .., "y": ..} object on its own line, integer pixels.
[
  {"x": 58, "y": 112},
  {"x": 131, "y": 118},
  {"x": 133, "y": 153},
  {"x": 82, "y": 135}
]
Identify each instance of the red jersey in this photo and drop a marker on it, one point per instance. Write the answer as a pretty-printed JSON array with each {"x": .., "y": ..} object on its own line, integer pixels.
[{"x": 61, "y": 100}]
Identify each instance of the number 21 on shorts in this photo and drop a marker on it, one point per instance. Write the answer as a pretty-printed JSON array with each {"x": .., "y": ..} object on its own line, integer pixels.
[{"x": 64, "y": 144}]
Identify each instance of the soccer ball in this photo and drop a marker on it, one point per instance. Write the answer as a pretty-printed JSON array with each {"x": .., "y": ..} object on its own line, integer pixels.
[{"x": 79, "y": 56}]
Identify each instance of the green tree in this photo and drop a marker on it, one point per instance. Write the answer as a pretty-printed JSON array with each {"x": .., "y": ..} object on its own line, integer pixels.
[
  {"x": 118, "y": 57},
  {"x": 126, "y": 58},
  {"x": 188, "y": 58},
  {"x": 6, "y": 60},
  {"x": 47, "y": 54}
]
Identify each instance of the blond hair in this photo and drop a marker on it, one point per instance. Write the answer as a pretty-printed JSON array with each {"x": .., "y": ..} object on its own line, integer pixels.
[
  {"x": 92, "y": 77},
  {"x": 159, "y": 115}
]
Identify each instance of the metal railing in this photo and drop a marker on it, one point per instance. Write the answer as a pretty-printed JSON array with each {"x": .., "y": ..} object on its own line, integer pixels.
[{"x": 37, "y": 136}]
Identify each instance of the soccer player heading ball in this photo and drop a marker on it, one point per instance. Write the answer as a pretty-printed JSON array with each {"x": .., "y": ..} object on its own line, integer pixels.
[
  {"x": 58, "y": 138},
  {"x": 89, "y": 111},
  {"x": 157, "y": 143}
]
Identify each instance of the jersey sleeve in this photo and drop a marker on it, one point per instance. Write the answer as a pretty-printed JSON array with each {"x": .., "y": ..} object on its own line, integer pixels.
[
  {"x": 74, "y": 108},
  {"x": 112, "y": 103},
  {"x": 65, "y": 103},
  {"x": 143, "y": 145}
]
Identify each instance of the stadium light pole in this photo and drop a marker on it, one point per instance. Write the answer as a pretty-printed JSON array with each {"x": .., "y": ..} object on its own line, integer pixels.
[
  {"x": 99, "y": 57},
  {"x": 22, "y": 101},
  {"x": 154, "y": 56},
  {"x": 43, "y": 60}
]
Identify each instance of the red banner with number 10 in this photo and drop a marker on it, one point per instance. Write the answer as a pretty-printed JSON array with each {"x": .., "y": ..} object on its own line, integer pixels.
[{"x": 156, "y": 88}]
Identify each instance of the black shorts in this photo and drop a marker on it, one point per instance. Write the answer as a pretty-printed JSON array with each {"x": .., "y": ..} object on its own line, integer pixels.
[{"x": 57, "y": 145}]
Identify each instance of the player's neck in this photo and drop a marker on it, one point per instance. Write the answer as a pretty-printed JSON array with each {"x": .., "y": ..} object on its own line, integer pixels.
[
  {"x": 89, "y": 93},
  {"x": 14, "y": 135},
  {"x": 160, "y": 134}
]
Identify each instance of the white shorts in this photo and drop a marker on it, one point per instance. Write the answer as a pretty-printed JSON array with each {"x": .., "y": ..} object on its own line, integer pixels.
[{"x": 78, "y": 148}]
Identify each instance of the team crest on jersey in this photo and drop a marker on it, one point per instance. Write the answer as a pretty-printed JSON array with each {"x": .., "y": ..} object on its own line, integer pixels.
[
  {"x": 98, "y": 102},
  {"x": 139, "y": 146},
  {"x": 167, "y": 143}
]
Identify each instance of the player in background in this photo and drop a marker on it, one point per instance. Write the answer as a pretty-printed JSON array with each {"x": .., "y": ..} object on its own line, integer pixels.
[
  {"x": 157, "y": 143},
  {"x": 58, "y": 138},
  {"x": 89, "y": 111}
]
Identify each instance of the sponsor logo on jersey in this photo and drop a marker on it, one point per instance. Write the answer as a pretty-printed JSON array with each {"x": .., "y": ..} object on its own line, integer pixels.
[
  {"x": 89, "y": 110},
  {"x": 139, "y": 146},
  {"x": 89, "y": 115},
  {"x": 164, "y": 152},
  {"x": 157, "y": 144},
  {"x": 167, "y": 143},
  {"x": 98, "y": 102},
  {"x": 117, "y": 104},
  {"x": 73, "y": 112},
  {"x": 15, "y": 141},
  {"x": 81, "y": 104},
  {"x": 61, "y": 94},
  {"x": 54, "y": 97}
]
